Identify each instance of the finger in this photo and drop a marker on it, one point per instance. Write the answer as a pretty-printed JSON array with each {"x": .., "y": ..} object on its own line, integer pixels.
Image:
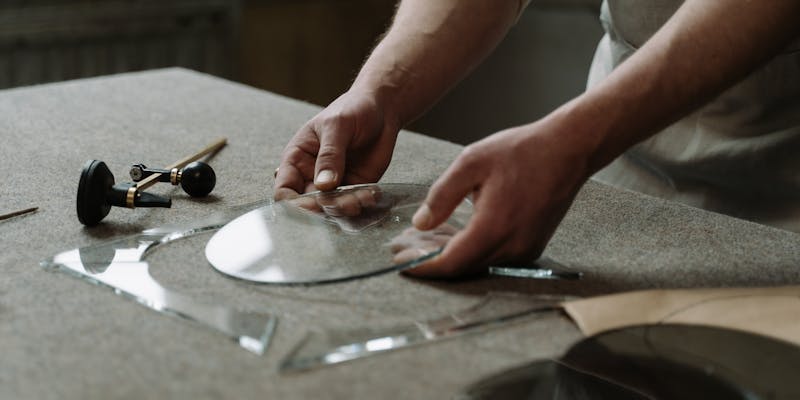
[
  {"x": 310, "y": 187},
  {"x": 368, "y": 198},
  {"x": 285, "y": 193},
  {"x": 289, "y": 182},
  {"x": 297, "y": 164},
  {"x": 345, "y": 205},
  {"x": 349, "y": 203},
  {"x": 446, "y": 194},
  {"x": 410, "y": 237},
  {"x": 413, "y": 253},
  {"x": 413, "y": 238},
  {"x": 329, "y": 167},
  {"x": 306, "y": 203},
  {"x": 469, "y": 249},
  {"x": 445, "y": 229}
]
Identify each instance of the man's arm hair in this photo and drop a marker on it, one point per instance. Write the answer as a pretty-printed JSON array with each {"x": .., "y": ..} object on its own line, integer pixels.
[{"x": 430, "y": 46}]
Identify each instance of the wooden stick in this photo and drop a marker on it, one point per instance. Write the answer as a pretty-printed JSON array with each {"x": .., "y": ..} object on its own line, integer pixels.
[
  {"x": 212, "y": 147},
  {"x": 16, "y": 213}
]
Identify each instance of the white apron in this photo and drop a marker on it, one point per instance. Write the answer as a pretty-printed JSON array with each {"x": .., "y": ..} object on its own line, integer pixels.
[{"x": 738, "y": 155}]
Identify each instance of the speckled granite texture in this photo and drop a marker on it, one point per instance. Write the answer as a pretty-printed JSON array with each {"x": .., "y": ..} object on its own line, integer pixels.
[{"x": 61, "y": 338}]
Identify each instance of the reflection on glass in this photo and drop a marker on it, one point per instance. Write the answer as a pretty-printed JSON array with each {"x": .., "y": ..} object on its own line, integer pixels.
[
  {"x": 319, "y": 349},
  {"x": 324, "y": 237},
  {"x": 543, "y": 268},
  {"x": 120, "y": 265},
  {"x": 655, "y": 362}
]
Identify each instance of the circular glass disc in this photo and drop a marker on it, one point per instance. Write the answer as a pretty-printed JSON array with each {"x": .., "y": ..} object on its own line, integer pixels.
[{"x": 348, "y": 233}]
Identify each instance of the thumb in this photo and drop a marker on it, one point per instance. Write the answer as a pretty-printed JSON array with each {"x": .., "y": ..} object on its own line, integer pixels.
[{"x": 330, "y": 163}]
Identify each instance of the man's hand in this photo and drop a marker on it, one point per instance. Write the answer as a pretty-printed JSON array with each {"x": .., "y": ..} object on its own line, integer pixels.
[
  {"x": 524, "y": 179},
  {"x": 430, "y": 46},
  {"x": 349, "y": 142},
  {"x": 522, "y": 182}
]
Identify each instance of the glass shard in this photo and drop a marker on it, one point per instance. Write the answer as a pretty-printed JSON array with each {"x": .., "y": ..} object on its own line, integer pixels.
[
  {"x": 121, "y": 266},
  {"x": 543, "y": 268},
  {"x": 320, "y": 349}
]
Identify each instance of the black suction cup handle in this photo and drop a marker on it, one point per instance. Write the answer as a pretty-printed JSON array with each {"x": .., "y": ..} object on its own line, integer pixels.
[
  {"x": 198, "y": 179},
  {"x": 139, "y": 172},
  {"x": 119, "y": 194},
  {"x": 144, "y": 199},
  {"x": 97, "y": 193},
  {"x": 96, "y": 180}
]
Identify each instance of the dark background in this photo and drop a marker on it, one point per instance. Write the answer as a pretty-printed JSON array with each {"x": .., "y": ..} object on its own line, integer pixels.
[{"x": 305, "y": 49}]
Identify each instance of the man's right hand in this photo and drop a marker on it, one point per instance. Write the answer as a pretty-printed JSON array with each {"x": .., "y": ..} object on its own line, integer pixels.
[{"x": 349, "y": 142}]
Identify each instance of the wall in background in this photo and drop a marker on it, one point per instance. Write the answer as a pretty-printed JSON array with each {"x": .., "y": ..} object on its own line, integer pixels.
[
  {"x": 312, "y": 49},
  {"x": 53, "y": 40},
  {"x": 542, "y": 63},
  {"x": 309, "y": 49},
  {"x": 306, "y": 49}
]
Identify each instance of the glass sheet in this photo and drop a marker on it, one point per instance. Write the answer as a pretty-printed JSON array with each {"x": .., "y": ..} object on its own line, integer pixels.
[
  {"x": 328, "y": 236},
  {"x": 495, "y": 309},
  {"x": 349, "y": 233},
  {"x": 352, "y": 232},
  {"x": 655, "y": 362},
  {"x": 121, "y": 265}
]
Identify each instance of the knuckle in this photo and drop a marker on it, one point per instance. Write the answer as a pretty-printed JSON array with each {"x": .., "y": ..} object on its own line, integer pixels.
[
  {"x": 328, "y": 151},
  {"x": 293, "y": 154},
  {"x": 333, "y": 122},
  {"x": 436, "y": 191},
  {"x": 470, "y": 156}
]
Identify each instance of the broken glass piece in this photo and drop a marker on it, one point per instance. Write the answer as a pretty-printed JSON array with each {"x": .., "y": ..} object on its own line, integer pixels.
[
  {"x": 324, "y": 236},
  {"x": 121, "y": 266},
  {"x": 495, "y": 309},
  {"x": 543, "y": 268}
]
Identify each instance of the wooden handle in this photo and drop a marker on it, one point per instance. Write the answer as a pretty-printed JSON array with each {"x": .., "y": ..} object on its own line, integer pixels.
[
  {"x": 16, "y": 213},
  {"x": 212, "y": 147}
]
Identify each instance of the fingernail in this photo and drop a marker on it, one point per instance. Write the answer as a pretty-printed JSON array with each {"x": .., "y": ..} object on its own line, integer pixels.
[
  {"x": 324, "y": 177},
  {"x": 422, "y": 218}
]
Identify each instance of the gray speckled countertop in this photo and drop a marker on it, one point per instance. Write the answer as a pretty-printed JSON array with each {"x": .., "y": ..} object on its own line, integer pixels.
[{"x": 61, "y": 338}]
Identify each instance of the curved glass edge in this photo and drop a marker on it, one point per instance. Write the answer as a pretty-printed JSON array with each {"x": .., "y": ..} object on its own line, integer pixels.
[
  {"x": 119, "y": 265},
  {"x": 496, "y": 309},
  {"x": 458, "y": 214},
  {"x": 391, "y": 268}
]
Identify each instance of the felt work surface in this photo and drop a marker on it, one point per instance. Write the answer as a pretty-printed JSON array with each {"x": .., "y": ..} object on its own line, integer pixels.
[{"x": 63, "y": 338}]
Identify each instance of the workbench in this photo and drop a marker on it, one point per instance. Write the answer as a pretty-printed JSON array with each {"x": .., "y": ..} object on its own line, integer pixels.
[{"x": 62, "y": 338}]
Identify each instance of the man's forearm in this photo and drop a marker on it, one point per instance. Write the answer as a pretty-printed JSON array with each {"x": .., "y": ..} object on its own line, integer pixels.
[
  {"x": 705, "y": 48},
  {"x": 430, "y": 47}
]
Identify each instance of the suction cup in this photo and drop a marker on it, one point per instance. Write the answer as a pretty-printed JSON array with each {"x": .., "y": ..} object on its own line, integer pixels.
[
  {"x": 96, "y": 180},
  {"x": 198, "y": 179},
  {"x": 97, "y": 193}
]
